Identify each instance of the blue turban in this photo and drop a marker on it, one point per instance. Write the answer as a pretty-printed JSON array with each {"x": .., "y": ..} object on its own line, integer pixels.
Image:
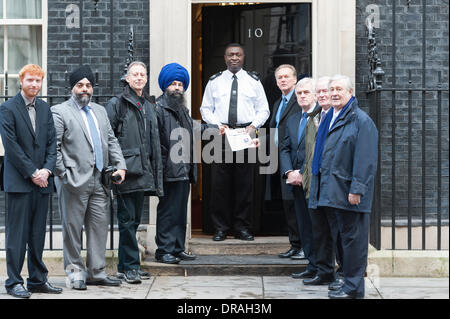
[{"x": 173, "y": 72}]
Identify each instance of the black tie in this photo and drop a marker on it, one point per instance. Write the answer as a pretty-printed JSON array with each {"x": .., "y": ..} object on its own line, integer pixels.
[{"x": 232, "y": 112}]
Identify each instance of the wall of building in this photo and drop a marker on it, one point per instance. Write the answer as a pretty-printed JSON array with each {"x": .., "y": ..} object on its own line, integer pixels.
[
  {"x": 408, "y": 58},
  {"x": 64, "y": 41}
]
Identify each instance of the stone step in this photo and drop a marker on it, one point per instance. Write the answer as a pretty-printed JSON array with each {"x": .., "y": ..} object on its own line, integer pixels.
[
  {"x": 230, "y": 265},
  {"x": 268, "y": 245}
]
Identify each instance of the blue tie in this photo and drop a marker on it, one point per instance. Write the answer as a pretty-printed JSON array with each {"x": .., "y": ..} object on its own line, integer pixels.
[
  {"x": 278, "y": 117},
  {"x": 302, "y": 126},
  {"x": 95, "y": 139}
]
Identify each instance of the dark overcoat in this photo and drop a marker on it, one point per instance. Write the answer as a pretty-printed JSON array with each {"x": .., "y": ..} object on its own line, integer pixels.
[{"x": 349, "y": 163}]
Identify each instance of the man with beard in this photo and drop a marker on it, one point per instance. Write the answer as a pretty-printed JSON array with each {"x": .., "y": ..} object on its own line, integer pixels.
[
  {"x": 234, "y": 98},
  {"x": 133, "y": 120},
  {"x": 28, "y": 136},
  {"x": 178, "y": 173},
  {"x": 85, "y": 144}
]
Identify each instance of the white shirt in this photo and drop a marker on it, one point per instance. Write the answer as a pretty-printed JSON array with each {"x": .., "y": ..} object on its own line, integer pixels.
[
  {"x": 335, "y": 115},
  {"x": 84, "y": 116},
  {"x": 252, "y": 105}
]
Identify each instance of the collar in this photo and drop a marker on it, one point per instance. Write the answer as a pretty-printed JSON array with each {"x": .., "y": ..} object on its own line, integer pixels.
[
  {"x": 27, "y": 101},
  {"x": 78, "y": 105},
  {"x": 289, "y": 95},
  {"x": 229, "y": 74},
  {"x": 310, "y": 110}
]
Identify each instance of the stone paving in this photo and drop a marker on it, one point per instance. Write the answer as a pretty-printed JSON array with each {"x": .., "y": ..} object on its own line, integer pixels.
[{"x": 244, "y": 287}]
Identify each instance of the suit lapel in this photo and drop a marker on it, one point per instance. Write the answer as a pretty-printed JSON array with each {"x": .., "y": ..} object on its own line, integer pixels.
[
  {"x": 40, "y": 115},
  {"x": 20, "y": 103},
  {"x": 76, "y": 113},
  {"x": 289, "y": 106},
  {"x": 276, "y": 105}
]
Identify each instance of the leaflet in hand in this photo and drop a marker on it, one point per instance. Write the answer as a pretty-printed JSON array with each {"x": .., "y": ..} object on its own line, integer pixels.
[{"x": 239, "y": 139}]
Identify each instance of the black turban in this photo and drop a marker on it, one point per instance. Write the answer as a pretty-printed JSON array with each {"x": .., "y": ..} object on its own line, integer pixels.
[{"x": 82, "y": 72}]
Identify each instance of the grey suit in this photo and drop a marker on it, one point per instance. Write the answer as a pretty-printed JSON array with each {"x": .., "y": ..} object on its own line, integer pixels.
[{"x": 82, "y": 199}]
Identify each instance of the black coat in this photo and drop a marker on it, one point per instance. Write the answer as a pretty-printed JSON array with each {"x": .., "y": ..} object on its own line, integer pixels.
[
  {"x": 291, "y": 108},
  {"x": 168, "y": 121},
  {"x": 136, "y": 129},
  {"x": 25, "y": 149}
]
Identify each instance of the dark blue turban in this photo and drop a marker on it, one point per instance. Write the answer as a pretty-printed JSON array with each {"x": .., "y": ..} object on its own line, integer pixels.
[{"x": 173, "y": 72}]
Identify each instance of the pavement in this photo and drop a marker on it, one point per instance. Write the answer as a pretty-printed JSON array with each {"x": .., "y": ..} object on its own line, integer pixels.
[{"x": 244, "y": 287}]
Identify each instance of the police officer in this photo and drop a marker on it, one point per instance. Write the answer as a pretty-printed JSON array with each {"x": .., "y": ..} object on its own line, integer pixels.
[{"x": 234, "y": 98}]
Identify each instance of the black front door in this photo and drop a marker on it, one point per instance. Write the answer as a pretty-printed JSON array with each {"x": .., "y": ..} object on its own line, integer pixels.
[{"x": 271, "y": 35}]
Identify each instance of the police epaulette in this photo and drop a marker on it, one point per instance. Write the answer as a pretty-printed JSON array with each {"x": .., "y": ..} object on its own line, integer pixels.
[
  {"x": 254, "y": 75},
  {"x": 215, "y": 76}
]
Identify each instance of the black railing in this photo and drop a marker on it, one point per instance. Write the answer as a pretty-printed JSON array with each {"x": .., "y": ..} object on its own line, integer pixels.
[{"x": 410, "y": 176}]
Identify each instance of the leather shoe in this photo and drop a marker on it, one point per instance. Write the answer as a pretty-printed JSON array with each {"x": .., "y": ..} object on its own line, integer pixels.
[
  {"x": 300, "y": 254},
  {"x": 46, "y": 288},
  {"x": 219, "y": 236},
  {"x": 317, "y": 281},
  {"x": 168, "y": 259},
  {"x": 336, "y": 285},
  {"x": 184, "y": 256},
  {"x": 243, "y": 235},
  {"x": 79, "y": 285},
  {"x": 107, "y": 281},
  {"x": 288, "y": 253},
  {"x": 341, "y": 294},
  {"x": 18, "y": 291},
  {"x": 303, "y": 275}
]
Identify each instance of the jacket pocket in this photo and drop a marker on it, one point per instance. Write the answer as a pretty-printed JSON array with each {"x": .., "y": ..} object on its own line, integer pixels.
[{"x": 133, "y": 161}]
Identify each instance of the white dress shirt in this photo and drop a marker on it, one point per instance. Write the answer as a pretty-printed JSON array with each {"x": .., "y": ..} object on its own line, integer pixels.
[{"x": 252, "y": 105}]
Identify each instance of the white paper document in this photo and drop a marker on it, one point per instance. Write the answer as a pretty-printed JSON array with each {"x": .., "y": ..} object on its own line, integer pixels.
[{"x": 239, "y": 139}]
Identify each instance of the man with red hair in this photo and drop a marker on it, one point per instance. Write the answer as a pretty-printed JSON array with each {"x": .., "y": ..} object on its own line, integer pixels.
[{"x": 28, "y": 135}]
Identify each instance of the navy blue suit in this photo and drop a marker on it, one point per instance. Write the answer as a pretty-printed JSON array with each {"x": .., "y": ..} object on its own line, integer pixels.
[
  {"x": 292, "y": 157},
  {"x": 25, "y": 151}
]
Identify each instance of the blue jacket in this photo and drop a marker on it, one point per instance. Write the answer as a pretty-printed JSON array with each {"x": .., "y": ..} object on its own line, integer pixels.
[
  {"x": 25, "y": 149},
  {"x": 349, "y": 163}
]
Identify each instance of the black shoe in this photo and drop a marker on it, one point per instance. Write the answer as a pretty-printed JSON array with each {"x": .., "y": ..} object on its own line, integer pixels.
[
  {"x": 303, "y": 275},
  {"x": 107, "y": 281},
  {"x": 317, "y": 281},
  {"x": 243, "y": 235},
  {"x": 144, "y": 275},
  {"x": 132, "y": 276},
  {"x": 46, "y": 288},
  {"x": 299, "y": 255},
  {"x": 219, "y": 236},
  {"x": 289, "y": 253},
  {"x": 341, "y": 294},
  {"x": 336, "y": 285},
  {"x": 168, "y": 259},
  {"x": 79, "y": 285},
  {"x": 184, "y": 256},
  {"x": 18, "y": 291}
]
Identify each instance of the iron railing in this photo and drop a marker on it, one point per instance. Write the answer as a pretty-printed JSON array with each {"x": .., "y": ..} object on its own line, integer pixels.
[{"x": 410, "y": 116}]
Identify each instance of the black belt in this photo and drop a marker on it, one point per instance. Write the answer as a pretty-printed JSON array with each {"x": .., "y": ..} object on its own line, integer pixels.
[{"x": 237, "y": 125}]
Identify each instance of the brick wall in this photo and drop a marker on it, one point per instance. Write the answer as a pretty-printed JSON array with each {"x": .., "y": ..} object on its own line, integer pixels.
[
  {"x": 64, "y": 42},
  {"x": 408, "y": 56}
]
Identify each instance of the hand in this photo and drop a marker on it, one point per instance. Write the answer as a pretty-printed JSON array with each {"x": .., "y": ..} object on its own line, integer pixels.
[
  {"x": 122, "y": 173},
  {"x": 354, "y": 199},
  {"x": 295, "y": 178},
  {"x": 222, "y": 129},
  {"x": 250, "y": 130},
  {"x": 256, "y": 142},
  {"x": 41, "y": 178}
]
